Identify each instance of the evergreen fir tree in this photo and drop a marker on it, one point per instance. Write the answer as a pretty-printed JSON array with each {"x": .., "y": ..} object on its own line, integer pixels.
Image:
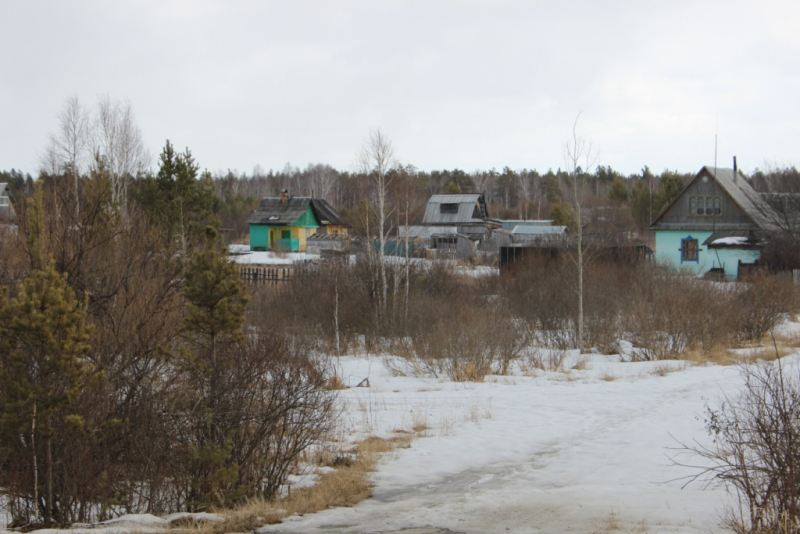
[
  {"x": 216, "y": 297},
  {"x": 617, "y": 192},
  {"x": 216, "y": 302},
  {"x": 42, "y": 370}
]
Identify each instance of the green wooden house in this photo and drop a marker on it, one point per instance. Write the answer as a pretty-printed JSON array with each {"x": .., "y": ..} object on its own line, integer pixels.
[{"x": 285, "y": 223}]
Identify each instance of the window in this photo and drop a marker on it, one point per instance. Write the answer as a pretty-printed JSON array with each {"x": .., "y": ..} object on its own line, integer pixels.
[
  {"x": 448, "y": 208},
  {"x": 705, "y": 206},
  {"x": 713, "y": 206},
  {"x": 689, "y": 249},
  {"x": 3, "y": 201},
  {"x": 286, "y": 234}
]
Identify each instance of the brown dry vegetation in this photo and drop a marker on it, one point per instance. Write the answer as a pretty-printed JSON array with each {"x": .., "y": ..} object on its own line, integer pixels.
[{"x": 346, "y": 485}]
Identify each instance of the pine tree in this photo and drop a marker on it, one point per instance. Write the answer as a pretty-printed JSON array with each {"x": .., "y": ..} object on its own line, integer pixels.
[
  {"x": 617, "y": 192},
  {"x": 216, "y": 303},
  {"x": 216, "y": 297},
  {"x": 42, "y": 370}
]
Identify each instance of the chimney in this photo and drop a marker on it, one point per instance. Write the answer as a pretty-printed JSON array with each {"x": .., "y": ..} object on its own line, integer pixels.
[
  {"x": 284, "y": 196},
  {"x": 735, "y": 171}
]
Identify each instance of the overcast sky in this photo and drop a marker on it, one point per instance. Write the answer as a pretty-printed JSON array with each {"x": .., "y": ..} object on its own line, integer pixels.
[{"x": 472, "y": 85}]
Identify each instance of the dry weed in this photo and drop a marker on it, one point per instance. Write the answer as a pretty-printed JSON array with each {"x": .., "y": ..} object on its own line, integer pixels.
[
  {"x": 346, "y": 485},
  {"x": 581, "y": 365},
  {"x": 717, "y": 355},
  {"x": 663, "y": 369},
  {"x": 334, "y": 383},
  {"x": 607, "y": 377}
]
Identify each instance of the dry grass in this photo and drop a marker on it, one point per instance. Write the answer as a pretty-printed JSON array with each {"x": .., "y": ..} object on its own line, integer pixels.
[
  {"x": 334, "y": 383},
  {"x": 346, "y": 485},
  {"x": 609, "y": 524},
  {"x": 717, "y": 355},
  {"x": 607, "y": 377},
  {"x": 581, "y": 365},
  {"x": 663, "y": 369}
]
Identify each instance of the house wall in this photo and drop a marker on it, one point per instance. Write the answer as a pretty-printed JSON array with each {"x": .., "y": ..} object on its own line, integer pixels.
[
  {"x": 259, "y": 237},
  {"x": 668, "y": 244},
  {"x": 332, "y": 229}
]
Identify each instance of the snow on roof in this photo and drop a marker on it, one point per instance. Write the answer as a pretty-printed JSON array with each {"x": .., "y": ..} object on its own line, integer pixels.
[{"x": 730, "y": 241}]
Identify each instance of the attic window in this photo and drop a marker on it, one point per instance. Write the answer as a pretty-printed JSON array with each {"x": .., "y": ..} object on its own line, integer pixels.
[
  {"x": 448, "y": 208},
  {"x": 705, "y": 206}
]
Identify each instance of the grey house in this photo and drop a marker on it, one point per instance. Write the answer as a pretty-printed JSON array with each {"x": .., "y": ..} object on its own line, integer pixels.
[{"x": 7, "y": 213}]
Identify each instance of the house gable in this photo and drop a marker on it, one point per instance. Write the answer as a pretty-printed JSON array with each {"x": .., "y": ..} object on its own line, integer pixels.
[
  {"x": 715, "y": 200},
  {"x": 456, "y": 209}
]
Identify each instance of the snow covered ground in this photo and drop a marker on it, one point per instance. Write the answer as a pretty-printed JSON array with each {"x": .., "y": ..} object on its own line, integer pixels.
[
  {"x": 573, "y": 451},
  {"x": 588, "y": 448}
]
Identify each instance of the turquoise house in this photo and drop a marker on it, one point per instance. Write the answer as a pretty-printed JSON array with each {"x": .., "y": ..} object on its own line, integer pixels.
[
  {"x": 285, "y": 223},
  {"x": 282, "y": 224},
  {"x": 713, "y": 224}
]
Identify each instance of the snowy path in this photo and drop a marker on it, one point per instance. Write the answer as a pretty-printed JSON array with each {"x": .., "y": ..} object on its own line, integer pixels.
[{"x": 563, "y": 452}]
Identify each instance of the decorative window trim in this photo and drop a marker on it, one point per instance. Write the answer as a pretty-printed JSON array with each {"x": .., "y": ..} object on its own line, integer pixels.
[{"x": 690, "y": 251}]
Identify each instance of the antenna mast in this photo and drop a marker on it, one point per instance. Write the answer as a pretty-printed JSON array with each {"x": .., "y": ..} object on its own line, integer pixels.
[{"x": 716, "y": 130}]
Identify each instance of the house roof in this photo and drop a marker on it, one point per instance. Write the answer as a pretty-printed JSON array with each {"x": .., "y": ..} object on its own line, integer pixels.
[
  {"x": 424, "y": 232},
  {"x": 326, "y": 214},
  {"x": 471, "y": 209},
  {"x": 740, "y": 191},
  {"x": 539, "y": 230},
  {"x": 272, "y": 211}
]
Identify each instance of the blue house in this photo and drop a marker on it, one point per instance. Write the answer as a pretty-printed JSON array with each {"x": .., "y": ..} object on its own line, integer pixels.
[{"x": 713, "y": 224}]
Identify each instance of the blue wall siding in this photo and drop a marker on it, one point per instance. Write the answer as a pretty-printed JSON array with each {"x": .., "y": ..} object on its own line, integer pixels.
[{"x": 668, "y": 245}]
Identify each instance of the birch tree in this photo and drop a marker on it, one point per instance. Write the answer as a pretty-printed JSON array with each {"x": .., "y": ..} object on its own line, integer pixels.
[
  {"x": 376, "y": 160},
  {"x": 119, "y": 141},
  {"x": 579, "y": 158}
]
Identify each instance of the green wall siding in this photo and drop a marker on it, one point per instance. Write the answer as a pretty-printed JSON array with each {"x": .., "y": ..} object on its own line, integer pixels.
[
  {"x": 668, "y": 244},
  {"x": 259, "y": 237},
  {"x": 307, "y": 220}
]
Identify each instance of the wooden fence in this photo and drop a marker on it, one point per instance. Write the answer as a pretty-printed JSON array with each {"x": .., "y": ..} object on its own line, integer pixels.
[{"x": 266, "y": 275}]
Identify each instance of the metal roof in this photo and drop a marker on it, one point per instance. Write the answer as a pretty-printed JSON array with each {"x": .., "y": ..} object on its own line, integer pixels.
[
  {"x": 471, "y": 209},
  {"x": 539, "y": 230},
  {"x": 272, "y": 211},
  {"x": 325, "y": 213},
  {"x": 744, "y": 195},
  {"x": 424, "y": 232}
]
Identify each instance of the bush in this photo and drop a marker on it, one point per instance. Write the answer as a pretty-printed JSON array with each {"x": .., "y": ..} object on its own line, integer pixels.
[{"x": 755, "y": 450}]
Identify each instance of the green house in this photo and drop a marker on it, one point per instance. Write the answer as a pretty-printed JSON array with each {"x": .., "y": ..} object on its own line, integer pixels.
[{"x": 282, "y": 224}]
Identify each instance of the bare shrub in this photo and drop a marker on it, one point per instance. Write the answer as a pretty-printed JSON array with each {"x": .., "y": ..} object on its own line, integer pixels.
[
  {"x": 539, "y": 291},
  {"x": 461, "y": 341},
  {"x": 674, "y": 313},
  {"x": 755, "y": 450},
  {"x": 762, "y": 303}
]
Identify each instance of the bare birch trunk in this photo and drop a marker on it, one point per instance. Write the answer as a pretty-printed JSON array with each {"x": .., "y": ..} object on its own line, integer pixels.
[{"x": 35, "y": 463}]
